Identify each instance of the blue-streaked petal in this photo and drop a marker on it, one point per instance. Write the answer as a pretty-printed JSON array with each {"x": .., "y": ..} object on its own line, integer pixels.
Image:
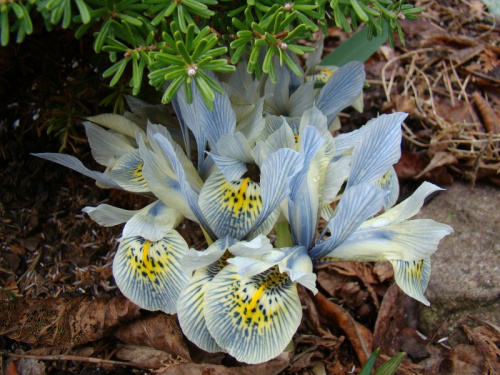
[
  {"x": 191, "y": 309},
  {"x": 196, "y": 259},
  {"x": 109, "y": 216},
  {"x": 232, "y": 169},
  {"x": 117, "y": 123},
  {"x": 413, "y": 277},
  {"x": 235, "y": 146},
  {"x": 283, "y": 137},
  {"x": 278, "y": 94},
  {"x": 127, "y": 172},
  {"x": 357, "y": 204},
  {"x": 149, "y": 273},
  {"x": 342, "y": 89},
  {"x": 390, "y": 183},
  {"x": 248, "y": 267},
  {"x": 314, "y": 117},
  {"x": 153, "y": 222},
  {"x": 408, "y": 208},
  {"x": 302, "y": 99},
  {"x": 252, "y": 124},
  {"x": 218, "y": 122},
  {"x": 190, "y": 194},
  {"x": 336, "y": 174},
  {"x": 76, "y": 165},
  {"x": 163, "y": 181},
  {"x": 256, "y": 248},
  {"x": 252, "y": 318},
  {"x": 276, "y": 172},
  {"x": 189, "y": 115},
  {"x": 378, "y": 150},
  {"x": 304, "y": 197},
  {"x": 298, "y": 265},
  {"x": 405, "y": 240},
  {"x": 231, "y": 207},
  {"x": 107, "y": 147}
]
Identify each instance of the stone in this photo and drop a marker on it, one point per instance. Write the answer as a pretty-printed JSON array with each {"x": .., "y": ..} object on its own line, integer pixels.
[{"x": 465, "y": 277}]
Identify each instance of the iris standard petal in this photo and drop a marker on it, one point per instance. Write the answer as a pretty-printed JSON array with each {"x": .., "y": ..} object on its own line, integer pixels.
[
  {"x": 378, "y": 150},
  {"x": 232, "y": 169},
  {"x": 149, "y": 273},
  {"x": 107, "y": 147},
  {"x": 357, "y": 204},
  {"x": 252, "y": 318},
  {"x": 342, "y": 89},
  {"x": 302, "y": 99},
  {"x": 282, "y": 137},
  {"x": 389, "y": 182},
  {"x": 189, "y": 193},
  {"x": 276, "y": 172},
  {"x": 191, "y": 309}
]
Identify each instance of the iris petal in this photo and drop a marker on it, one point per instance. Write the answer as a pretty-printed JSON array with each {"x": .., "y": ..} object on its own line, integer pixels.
[
  {"x": 149, "y": 273},
  {"x": 252, "y": 318},
  {"x": 127, "y": 172},
  {"x": 413, "y": 277}
]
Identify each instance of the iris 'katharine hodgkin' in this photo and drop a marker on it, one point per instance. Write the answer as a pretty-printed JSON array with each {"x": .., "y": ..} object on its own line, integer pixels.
[{"x": 265, "y": 158}]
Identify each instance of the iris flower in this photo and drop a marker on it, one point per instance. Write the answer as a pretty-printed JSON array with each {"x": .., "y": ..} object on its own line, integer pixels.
[{"x": 264, "y": 155}]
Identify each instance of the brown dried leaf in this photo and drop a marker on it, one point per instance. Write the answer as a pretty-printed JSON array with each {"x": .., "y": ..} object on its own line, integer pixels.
[
  {"x": 439, "y": 159},
  {"x": 486, "y": 338},
  {"x": 159, "y": 331},
  {"x": 64, "y": 322},
  {"x": 30, "y": 366},
  {"x": 144, "y": 356},
  {"x": 360, "y": 337},
  {"x": 274, "y": 366},
  {"x": 383, "y": 270}
]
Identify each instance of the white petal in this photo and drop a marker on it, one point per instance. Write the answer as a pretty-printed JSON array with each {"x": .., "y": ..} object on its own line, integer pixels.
[
  {"x": 117, "y": 123},
  {"x": 109, "y": 216},
  {"x": 412, "y": 277}
]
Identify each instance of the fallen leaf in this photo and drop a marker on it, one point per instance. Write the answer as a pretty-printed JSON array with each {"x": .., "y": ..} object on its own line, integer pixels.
[
  {"x": 145, "y": 357},
  {"x": 159, "y": 331},
  {"x": 360, "y": 337},
  {"x": 486, "y": 339},
  {"x": 64, "y": 322},
  {"x": 272, "y": 367},
  {"x": 439, "y": 159}
]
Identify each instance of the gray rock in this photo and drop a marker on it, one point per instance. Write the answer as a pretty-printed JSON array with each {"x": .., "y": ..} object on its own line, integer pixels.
[{"x": 465, "y": 277}]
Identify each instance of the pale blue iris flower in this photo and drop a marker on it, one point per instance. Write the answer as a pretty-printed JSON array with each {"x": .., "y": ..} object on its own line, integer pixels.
[{"x": 264, "y": 154}]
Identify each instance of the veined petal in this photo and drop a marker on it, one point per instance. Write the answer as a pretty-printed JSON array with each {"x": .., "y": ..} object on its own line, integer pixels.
[
  {"x": 256, "y": 248},
  {"x": 336, "y": 174},
  {"x": 109, "y": 216},
  {"x": 218, "y": 122},
  {"x": 149, "y": 273},
  {"x": 190, "y": 194},
  {"x": 117, "y": 123},
  {"x": 278, "y": 95},
  {"x": 153, "y": 222},
  {"x": 304, "y": 197},
  {"x": 357, "y": 204},
  {"x": 283, "y": 137},
  {"x": 76, "y": 165},
  {"x": 408, "y": 208},
  {"x": 252, "y": 318},
  {"x": 163, "y": 181},
  {"x": 406, "y": 241},
  {"x": 276, "y": 172},
  {"x": 196, "y": 259},
  {"x": 302, "y": 99},
  {"x": 235, "y": 146},
  {"x": 248, "y": 267},
  {"x": 252, "y": 124},
  {"x": 231, "y": 207},
  {"x": 191, "y": 308},
  {"x": 232, "y": 169},
  {"x": 127, "y": 172},
  {"x": 378, "y": 150},
  {"x": 389, "y": 182},
  {"x": 298, "y": 265},
  {"x": 413, "y": 277},
  {"x": 342, "y": 89},
  {"x": 107, "y": 147}
]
